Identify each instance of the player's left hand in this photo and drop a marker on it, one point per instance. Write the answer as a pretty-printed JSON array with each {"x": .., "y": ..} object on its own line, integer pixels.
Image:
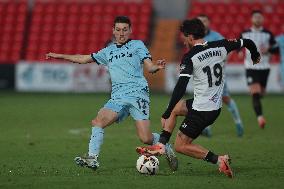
[
  {"x": 255, "y": 58},
  {"x": 161, "y": 63}
]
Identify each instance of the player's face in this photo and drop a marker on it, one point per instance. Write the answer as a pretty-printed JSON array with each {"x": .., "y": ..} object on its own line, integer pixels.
[
  {"x": 121, "y": 32},
  {"x": 205, "y": 21},
  {"x": 257, "y": 19},
  {"x": 187, "y": 41}
]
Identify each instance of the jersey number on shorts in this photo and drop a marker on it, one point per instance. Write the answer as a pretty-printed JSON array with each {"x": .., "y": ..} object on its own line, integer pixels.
[
  {"x": 142, "y": 104},
  {"x": 217, "y": 70}
]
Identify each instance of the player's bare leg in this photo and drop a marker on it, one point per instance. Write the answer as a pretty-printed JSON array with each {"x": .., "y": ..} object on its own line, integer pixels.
[
  {"x": 257, "y": 92},
  {"x": 184, "y": 145},
  {"x": 144, "y": 132}
]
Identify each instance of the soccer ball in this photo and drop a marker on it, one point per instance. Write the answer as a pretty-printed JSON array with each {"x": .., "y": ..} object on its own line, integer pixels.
[{"x": 147, "y": 165}]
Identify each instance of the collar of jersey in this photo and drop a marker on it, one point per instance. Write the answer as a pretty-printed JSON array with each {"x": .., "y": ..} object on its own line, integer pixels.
[
  {"x": 119, "y": 46},
  {"x": 256, "y": 30},
  {"x": 201, "y": 43}
]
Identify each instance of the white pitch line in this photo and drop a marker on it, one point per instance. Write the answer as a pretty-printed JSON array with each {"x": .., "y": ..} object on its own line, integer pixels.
[{"x": 78, "y": 131}]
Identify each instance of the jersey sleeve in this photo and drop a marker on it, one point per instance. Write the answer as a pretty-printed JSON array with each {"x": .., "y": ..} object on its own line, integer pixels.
[
  {"x": 272, "y": 40},
  {"x": 219, "y": 36},
  {"x": 100, "y": 57},
  {"x": 232, "y": 44},
  {"x": 142, "y": 51},
  {"x": 186, "y": 67}
]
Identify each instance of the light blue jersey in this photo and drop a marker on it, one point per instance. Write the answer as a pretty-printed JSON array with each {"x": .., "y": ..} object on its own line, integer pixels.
[
  {"x": 280, "y": 41},
  {"x": 125, "y": 66},
  {"x": 130, "y": 93},
  {"x": 213, "y": 36}
]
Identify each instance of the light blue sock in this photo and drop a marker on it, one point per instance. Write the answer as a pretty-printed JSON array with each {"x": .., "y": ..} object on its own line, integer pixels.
[
  {"x": 232, "y": 107},
  {"x": 96, "y": 141},
  {"x": 156, "y": 138}
]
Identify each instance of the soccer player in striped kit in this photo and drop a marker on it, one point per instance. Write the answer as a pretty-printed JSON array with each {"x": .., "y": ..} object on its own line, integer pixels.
[
  {"x": 204, "y": 63},
  {"x": 257, "y": 75}
]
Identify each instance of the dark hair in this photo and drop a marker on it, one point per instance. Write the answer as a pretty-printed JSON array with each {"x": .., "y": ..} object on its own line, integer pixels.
[
  {"x": 193, "y": 27},
  {"x": 256, "y": 12},
  {"x": 204, "y": 15},
  {"x": 122, "y": 19}
]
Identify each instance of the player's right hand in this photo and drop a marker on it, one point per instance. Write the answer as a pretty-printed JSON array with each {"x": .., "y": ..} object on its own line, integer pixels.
[
  {"x": 51, "y": 55},
  {"x": 161, "y": 63}
]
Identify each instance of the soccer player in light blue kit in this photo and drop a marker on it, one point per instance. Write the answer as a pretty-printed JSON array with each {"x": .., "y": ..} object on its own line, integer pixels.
[
  {"x": 130, "y": 94},
  {"x": 231, "y": 105},
  {"x": 280, "y": 43}
]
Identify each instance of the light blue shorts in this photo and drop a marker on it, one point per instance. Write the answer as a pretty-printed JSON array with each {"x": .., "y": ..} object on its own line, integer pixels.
[
  {"x": 225, "y": 90},
  {"x": 137, "y": 107}
]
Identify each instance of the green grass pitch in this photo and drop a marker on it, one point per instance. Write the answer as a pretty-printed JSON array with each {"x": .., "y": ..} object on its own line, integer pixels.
[{"x": 40, "y": 134}]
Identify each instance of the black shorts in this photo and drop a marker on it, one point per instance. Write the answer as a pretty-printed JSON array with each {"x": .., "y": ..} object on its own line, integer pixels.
[
  {"x": 195, "y": 121},
  {"x": 257, "y": 76}
]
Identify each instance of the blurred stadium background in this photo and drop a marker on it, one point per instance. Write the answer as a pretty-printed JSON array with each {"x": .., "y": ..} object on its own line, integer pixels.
[{"x": 31, "y": 28}]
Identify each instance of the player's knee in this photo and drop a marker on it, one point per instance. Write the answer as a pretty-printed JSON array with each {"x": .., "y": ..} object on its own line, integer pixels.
[{"x": 179, "y": 147}]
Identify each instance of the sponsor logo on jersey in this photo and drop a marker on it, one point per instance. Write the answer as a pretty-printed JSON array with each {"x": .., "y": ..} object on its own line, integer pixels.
[{"x": 214, "y": 98}]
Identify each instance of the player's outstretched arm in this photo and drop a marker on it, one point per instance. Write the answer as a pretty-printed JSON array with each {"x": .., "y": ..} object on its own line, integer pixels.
[
  {"x": 153, "y": 68},
  {"x": 81, "y": 59}
]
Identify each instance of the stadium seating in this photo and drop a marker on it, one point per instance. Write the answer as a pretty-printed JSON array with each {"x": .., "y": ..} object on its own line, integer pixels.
[
  {"x": 230, "y": 17},
  {"x": 163, "y": 46},
  {"x": 84, "y": 26},
  {"x": 164, "y": 39},
  {"x": 81, "y": 26},
  {"x": 13, "y": 16}
]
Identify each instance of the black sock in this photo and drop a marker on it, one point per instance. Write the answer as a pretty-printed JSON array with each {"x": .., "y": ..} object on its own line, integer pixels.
[
  {"x": 211, "y": 157},
  {"x": 257, "y": 104},
  {"x": 165, "y": 137}
]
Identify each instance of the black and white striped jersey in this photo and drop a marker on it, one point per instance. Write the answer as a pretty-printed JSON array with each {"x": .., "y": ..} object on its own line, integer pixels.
[
  {"x": 205, "y": 63},
  {"x": 262, "y": 39}
]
